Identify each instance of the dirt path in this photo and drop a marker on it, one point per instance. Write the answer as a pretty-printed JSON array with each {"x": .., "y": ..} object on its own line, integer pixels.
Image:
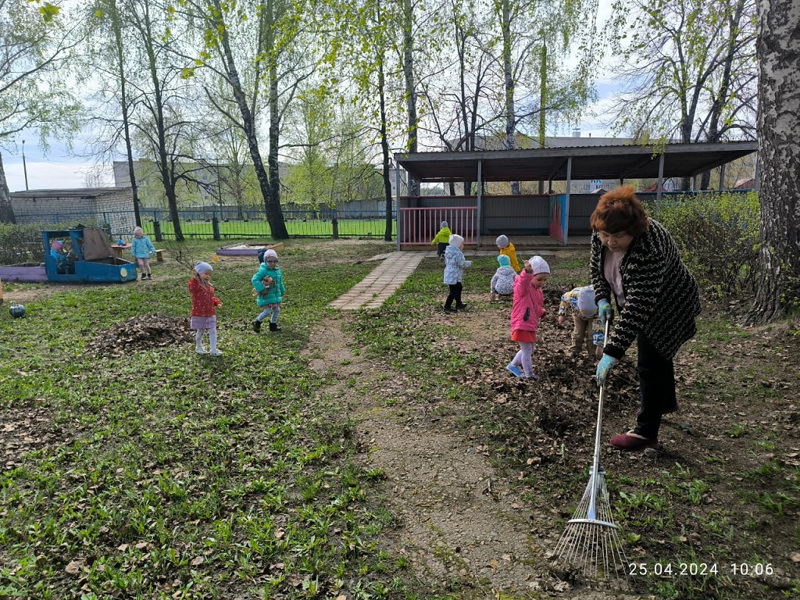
[{"x": 457, "y": 521}]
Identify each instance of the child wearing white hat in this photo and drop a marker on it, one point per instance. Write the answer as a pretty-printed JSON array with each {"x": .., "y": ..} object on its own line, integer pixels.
[
  {"x": 454, "y": 265},
  {"x": 526, "y": 311},
  {"x": 502, "y": 284},
  {"x": 204, "y": 304},
  {"x": 587, "y": 332},
  {"x": 269, "y": 290}
]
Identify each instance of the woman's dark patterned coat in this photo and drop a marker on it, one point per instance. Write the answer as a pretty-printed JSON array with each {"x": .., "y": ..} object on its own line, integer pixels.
[{"x": 661, "y": 296}]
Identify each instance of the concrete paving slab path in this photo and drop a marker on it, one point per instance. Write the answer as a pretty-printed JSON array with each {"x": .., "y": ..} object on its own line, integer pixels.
[
  {"x": 395, "y": 268},
  {"x": 384, "y": 280}
]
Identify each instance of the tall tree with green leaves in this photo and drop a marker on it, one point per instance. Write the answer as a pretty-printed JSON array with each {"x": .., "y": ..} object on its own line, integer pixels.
[
  {"x": 39, "y": 41},
  {"x": 523, "y": 28},
  {"x": 108, "y": 55},
  {"x": 257, "y": 48},
  {"x": 459, "y": 97},
  {"x": 778, "y": 132},
  {"x": 310, "y": 173},
  {"x": 161, "y": 126},
  {"x": 370, "y": 29}
]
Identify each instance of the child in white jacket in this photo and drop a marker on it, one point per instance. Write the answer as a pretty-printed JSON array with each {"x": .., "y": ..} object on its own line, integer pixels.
[
  {"x": 503, "y": 279},
  {"x": 587, "y": 332},
  {"x": 454, "y": 265}
]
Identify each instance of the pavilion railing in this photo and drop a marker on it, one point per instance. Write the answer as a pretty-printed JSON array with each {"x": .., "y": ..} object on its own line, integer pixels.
[{"x": 418, "y": 226}]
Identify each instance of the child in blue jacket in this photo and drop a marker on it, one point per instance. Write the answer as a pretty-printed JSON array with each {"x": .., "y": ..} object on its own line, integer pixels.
[
  {"x": 142, "y": 249},
  {"x": 269, "y": 291}
]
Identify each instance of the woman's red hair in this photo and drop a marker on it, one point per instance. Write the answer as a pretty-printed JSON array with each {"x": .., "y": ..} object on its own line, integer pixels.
[{"x": 620, "y": 211}]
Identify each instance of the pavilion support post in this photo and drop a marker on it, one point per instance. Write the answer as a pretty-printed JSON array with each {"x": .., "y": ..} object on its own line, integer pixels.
[
  {"x": 397, "y": 203},
  {"x": 722, "y": 178},
  {"x": 566, "y": 204},
  {"x": 660, "y": 184},
  {"x": 479, "y": 216}
]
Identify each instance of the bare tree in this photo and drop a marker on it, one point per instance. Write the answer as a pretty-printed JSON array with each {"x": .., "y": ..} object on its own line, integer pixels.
[
  {"x": 263, "y": 68},
  {"x": 689, "y": 69},
  {"x": 108, "y": 55},
  {"x": 38, "y": 42}
]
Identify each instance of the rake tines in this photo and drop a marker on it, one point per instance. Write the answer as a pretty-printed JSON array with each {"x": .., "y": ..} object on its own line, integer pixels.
[{"x": 591, "y": 539}]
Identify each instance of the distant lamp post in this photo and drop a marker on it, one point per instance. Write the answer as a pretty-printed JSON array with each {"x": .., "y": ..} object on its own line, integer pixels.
[{"x": 24, "y": 165}]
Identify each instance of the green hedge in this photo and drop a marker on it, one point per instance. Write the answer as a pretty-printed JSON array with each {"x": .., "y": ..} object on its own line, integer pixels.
[
  {"x": 20, "y": 244},
  {"x": 719, "y": 235}
]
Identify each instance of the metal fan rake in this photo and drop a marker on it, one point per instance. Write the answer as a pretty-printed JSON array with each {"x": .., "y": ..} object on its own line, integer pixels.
[{"x": 591, "y": 540}]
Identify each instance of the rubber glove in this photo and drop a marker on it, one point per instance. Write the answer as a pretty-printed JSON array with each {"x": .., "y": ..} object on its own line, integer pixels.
[
  {"x": 604, "y": 367},
  {"x": 603, "y": 310}
]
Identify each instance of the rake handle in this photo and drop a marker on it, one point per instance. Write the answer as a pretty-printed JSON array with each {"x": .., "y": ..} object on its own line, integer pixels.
[{"x": 592, "y": 514}]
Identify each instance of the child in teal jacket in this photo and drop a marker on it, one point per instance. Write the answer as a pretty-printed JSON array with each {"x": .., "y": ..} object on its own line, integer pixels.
[{"x": 269, "y": 291}]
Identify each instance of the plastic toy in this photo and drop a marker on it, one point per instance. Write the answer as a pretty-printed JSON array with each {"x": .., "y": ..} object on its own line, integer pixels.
[{"x": 16, "y": 310}]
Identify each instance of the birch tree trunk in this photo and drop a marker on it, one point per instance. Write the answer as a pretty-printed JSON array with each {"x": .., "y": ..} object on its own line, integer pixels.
[
  {"x": 274, "y": 212},
  {"x": 510, "y": 83},
  {"x": 387, "y": 184},
  {"x": 779, "y": 154},
  {"x": 166, "y": 161},
  {"x": 411, "y": 92},
  {"x": 270, "y": 188}
]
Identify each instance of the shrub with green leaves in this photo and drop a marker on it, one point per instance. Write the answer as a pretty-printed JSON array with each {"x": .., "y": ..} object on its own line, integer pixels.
[
  {"x": 719, "y": 236},
  {"x": 20, "y": 244}
]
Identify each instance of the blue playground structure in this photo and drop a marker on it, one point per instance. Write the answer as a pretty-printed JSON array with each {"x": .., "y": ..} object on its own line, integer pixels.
[{"x": 86, "y": 255}]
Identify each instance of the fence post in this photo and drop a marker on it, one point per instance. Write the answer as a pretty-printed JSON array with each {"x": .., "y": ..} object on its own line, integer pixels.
[
  {"x": 215, "y": 227},
  {"x": 157, "y": 231}
]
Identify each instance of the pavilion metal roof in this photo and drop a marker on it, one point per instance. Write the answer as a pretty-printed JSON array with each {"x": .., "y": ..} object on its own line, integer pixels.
[{"x": 588, "y": 162}]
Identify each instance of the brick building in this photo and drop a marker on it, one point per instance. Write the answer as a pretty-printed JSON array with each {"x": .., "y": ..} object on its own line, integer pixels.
[{"x": 110, "y": 206}]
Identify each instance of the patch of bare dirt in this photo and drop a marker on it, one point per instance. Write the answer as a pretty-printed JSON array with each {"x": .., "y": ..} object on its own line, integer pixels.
[
  {"x": 18, "y": 295},
  {"x": 458, "y": 519}
]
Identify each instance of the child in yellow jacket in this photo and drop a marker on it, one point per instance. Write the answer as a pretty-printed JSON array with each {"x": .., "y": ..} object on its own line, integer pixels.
[
  {"x": 507, "y": 248},
  {"x": 443, "y": 239}
]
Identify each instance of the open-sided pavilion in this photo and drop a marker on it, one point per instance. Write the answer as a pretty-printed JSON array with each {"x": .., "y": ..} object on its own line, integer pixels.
[{"x": 557, "y": 215}]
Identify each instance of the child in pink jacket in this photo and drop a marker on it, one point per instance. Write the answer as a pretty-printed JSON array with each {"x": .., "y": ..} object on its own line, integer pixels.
[{"x": 526, "y": 311}]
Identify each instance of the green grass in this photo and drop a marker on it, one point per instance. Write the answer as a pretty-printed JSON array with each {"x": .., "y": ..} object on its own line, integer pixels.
[
  {"x": 347, "y": 228},
  {"x": 185, "y": 476},
  {"x": 174, "y": 476}
]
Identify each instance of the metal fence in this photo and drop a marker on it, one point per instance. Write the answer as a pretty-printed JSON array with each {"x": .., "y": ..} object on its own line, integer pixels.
[{"x": 226, "y": 223}]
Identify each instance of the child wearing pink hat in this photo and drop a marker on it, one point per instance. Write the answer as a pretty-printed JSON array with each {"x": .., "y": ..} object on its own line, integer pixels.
[{"x": 526, "y": 311}]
